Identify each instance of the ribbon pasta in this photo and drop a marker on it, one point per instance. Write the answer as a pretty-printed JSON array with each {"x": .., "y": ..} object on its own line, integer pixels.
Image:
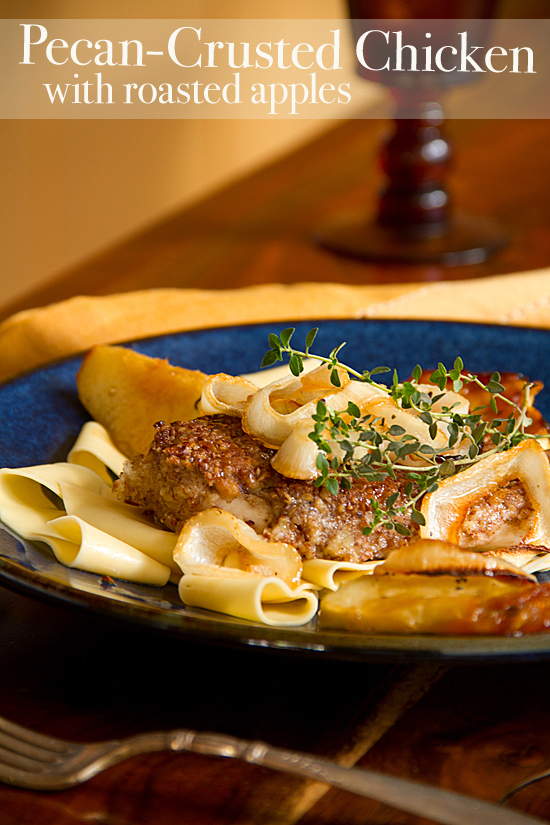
[
  {"x": 24, "y": 505},
  {"x": 88, "y": 548},
  {"x": 26, "y": 509},
  {"x": 330, "y": 574},
  {"x": 122, "y": 521},
  {"x": 226, "y": 566},
  {"x": 218, "y": 561},
  {"x": 249, "y": 596},
  {"x": 94, "y": 449},
  {"x": 87, "y": 527}
]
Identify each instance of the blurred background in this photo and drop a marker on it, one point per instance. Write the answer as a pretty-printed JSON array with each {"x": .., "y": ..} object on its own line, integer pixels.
[{"x": 71, "y": 188}]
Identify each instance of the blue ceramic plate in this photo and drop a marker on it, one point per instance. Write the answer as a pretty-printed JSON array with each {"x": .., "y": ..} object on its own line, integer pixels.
[{"x": 41, "y": 417}]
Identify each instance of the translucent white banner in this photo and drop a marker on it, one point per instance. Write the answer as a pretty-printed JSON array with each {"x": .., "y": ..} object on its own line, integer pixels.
[{"x": 273, "y": 68}]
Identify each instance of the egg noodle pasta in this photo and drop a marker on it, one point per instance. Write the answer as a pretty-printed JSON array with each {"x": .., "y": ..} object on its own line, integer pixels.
[
  {"x": 331, "y": 574},
  {"x": 248, "y": 596},
  {"x": 228, "y": 568},
  {"x": 88, "y": 528},
  {"x": 221, "y": 560},
  {"x": 92, "y": 550},
  {"x": 122, "y": 521},
  {"x": 94, "y": 449},
  {"x": 25, "y": 507},
  {"x": 52, "y": 476}
]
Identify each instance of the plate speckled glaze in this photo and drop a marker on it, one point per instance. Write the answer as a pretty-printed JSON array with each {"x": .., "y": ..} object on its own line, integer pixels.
[{"x": 41, "y": 417}]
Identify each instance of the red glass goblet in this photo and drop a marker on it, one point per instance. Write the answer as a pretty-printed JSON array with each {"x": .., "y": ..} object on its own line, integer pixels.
[{"x": 416, "y": 221}]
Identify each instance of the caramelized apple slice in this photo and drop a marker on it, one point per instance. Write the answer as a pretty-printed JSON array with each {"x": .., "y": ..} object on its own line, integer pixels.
[
  {"x": 128, "y": 392},
  {"x": 445, "y": 605}
]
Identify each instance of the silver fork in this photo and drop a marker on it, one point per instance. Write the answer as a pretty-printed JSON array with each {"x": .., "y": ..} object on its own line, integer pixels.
[{"x": 32, "y": 760}]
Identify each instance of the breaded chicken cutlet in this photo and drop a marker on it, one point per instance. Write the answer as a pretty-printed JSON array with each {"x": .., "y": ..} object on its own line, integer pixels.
[{"x": 212, "y": 462}]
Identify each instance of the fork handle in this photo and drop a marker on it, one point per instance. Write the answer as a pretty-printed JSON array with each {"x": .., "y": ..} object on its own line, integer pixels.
[{"x": 445, "y": 807}]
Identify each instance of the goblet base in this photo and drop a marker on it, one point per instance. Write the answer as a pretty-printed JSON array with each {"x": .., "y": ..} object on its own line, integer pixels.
[{"x": 464, "y": 239}]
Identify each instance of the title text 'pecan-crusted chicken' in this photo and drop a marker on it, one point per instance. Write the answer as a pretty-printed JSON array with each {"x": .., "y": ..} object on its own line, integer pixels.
[{"x": 211, "y": 462}]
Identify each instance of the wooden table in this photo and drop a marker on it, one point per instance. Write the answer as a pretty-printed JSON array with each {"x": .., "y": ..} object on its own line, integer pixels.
[{"x": 478, "y": 728}]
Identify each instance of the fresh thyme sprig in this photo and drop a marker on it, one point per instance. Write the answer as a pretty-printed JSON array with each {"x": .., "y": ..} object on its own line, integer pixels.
[
  {"x": 352, "y": 446},
  {"x": 280, "y": 345}
]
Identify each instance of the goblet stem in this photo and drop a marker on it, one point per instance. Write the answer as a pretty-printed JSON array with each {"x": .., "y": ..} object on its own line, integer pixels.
[
  {"x": 416, "y": 160},
  {"x": 415, "y": 221}
]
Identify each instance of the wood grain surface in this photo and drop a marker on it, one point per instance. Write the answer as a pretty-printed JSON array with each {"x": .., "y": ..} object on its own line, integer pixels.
[{"x": 476, "y": 729}]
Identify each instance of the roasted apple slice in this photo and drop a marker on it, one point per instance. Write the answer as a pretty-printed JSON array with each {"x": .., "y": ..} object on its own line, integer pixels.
[{"x": 128, "y": 392}]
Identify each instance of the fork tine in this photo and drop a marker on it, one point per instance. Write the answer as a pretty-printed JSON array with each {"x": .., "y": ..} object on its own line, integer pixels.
[
  {"x": 19, "y": 760},
  {"x": 23, "y": 735},
  {"x": 8, "y": 744}
]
